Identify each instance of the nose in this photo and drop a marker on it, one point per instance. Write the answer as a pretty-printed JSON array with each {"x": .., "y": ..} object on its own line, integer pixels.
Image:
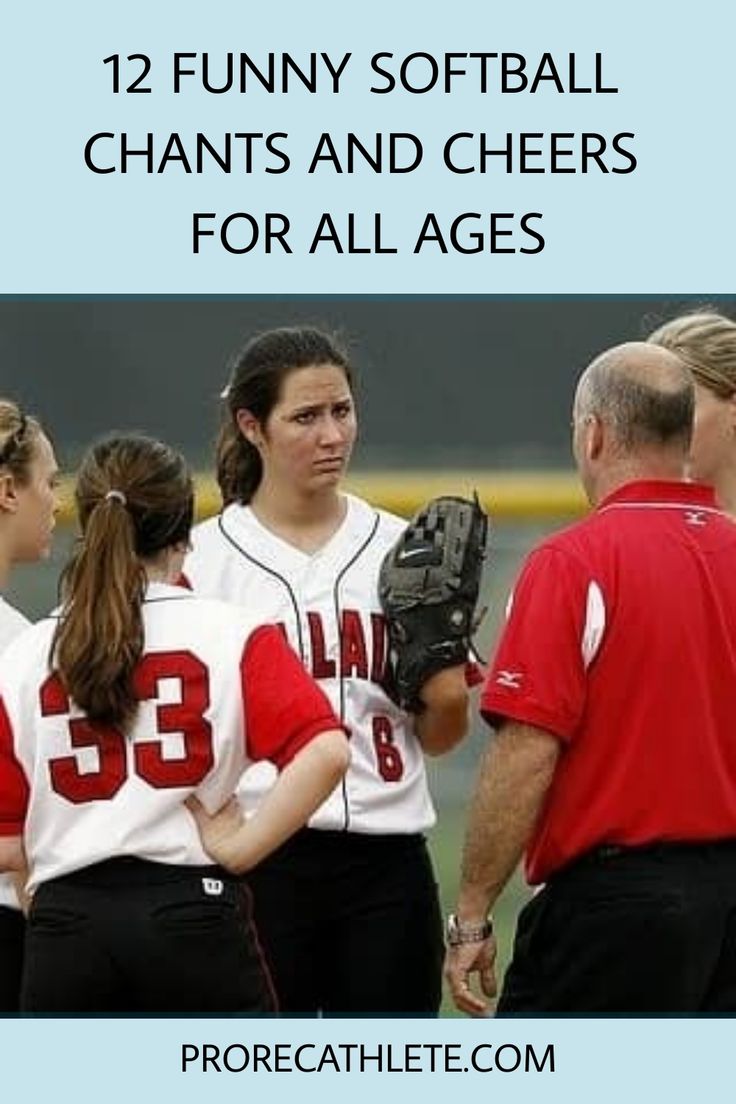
[{"x": 332, "y": 431}]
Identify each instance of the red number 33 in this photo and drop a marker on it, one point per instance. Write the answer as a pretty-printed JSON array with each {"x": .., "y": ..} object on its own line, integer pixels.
[{"x": 185, "y": 717}]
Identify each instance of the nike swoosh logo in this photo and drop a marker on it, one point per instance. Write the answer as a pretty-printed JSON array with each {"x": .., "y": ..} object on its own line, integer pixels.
[{"x": 413, "y": 552}]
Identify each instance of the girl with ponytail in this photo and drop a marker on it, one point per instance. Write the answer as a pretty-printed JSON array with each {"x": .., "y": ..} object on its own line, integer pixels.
[
  {"x": 348, "y": 909},
  {"x": 125, "y": 723},
  {"x": 135, "y": 501}
]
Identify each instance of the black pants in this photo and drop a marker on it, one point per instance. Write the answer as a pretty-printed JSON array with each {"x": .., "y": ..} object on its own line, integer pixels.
[
  {"x": 12, "y": 933},
  {"x": 350, "y": 924},
  {"x": 640, "y": 930},
  {"x": 128, "y": 936}
]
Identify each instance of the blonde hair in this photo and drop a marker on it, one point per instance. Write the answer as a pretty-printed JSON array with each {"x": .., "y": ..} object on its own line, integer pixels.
[
  {"x": 705, "y": 341},
  {"x": 19, "y": 435}
]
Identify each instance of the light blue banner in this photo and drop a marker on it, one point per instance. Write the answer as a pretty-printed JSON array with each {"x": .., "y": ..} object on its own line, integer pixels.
[
  {"x": 647, "y": 207},
  {"x": 530, "y": 1060},
  {"x": 667, "y": 227}
]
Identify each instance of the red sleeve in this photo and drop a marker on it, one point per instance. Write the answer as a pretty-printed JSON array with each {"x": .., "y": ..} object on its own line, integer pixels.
[
  {"x": 13, "y": 782},
  {"x": 284, "y": 707},
  {"x": 538, "y": 673}
]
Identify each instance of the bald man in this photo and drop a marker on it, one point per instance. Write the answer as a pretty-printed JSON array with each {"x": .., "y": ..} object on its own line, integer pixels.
[{"x": 613, "y": 698}]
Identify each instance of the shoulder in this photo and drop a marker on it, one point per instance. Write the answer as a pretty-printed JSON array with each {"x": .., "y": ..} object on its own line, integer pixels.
[
  {"x": 224, "y": 533},
  {"x": 575, "y": 542},
  {"x": 28, "y": 650},
  {"x": 12, "y": 623},
  {"x": 164, "y": 601},
  {"x": 215, "y": 543},
  {"x": 182, "y": 606},
  {"x": 383, "y": 526},
  {"x": 206, "y": 534},
  {"x": 563, "y": 562}
]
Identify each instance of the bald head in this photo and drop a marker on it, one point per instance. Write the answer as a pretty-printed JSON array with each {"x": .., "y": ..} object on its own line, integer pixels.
[{"x": 643, "y": 392}]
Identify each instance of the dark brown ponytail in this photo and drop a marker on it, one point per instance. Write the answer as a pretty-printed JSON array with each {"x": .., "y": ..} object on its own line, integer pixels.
[
  {"x": 239, "y": 467},
  {"x": 134, "y": 498}
]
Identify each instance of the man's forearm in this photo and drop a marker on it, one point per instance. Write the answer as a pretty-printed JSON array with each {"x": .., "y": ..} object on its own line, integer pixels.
[{"x": 512, "y": 784}]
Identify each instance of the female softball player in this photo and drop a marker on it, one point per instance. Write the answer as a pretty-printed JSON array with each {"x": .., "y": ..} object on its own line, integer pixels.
[
  {"x": 137, "y": 696},
  {"x": 706, "y": 342},
  {"x": 348, "y": 908},
  {"x": 28, "y": 505}
]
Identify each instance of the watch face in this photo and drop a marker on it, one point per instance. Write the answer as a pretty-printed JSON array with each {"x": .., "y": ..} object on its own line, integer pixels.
[{"x": 459, "y": 933}]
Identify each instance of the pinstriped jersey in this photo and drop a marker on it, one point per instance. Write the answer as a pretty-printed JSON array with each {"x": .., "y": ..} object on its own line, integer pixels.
[
  {"x": 327, "y": 604},
  {"x": 12, "y": 623},
  {"x": 216, "y": 693}
]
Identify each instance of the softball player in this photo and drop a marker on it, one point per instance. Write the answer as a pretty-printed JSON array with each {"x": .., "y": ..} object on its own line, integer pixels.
[
  {"x": 348, "y": 908},
  {"x": 27, "y": 511},
  {"x": 706, "y": 342},
  {"x": 137, "y": 696}
]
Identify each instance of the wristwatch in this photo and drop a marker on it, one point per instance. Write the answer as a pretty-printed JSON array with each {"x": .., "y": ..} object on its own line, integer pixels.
[{"x": 460, "y": 931}]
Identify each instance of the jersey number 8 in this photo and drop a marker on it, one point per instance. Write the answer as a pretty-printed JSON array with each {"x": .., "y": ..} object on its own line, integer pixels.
[{"x": 388, "y": 756}]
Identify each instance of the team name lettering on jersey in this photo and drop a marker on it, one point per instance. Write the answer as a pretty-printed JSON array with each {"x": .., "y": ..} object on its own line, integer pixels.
[
  {"x": 327, "y": 608},
  {"x": 363, "y": 650}
]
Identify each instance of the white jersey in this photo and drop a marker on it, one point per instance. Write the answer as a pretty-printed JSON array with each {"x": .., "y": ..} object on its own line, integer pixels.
[
  {"x": 327, "y": 603},
  {"x": 215, "y": 692},
  {"x": 12, "y": 623}
]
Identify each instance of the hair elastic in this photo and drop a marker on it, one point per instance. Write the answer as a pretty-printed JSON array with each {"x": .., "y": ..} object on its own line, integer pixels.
[{"x": 118, "y": 496}]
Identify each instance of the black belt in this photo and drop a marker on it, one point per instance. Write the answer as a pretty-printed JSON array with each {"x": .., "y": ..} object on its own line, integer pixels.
[{"x": 608, "y": 853}]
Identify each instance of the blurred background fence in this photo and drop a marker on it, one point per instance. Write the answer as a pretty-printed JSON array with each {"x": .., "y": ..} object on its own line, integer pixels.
[{"x": 453, "y": 394}]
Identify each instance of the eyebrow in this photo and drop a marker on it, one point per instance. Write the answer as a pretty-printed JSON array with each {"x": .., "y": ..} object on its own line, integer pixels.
[{"x": 308, "y": 407}]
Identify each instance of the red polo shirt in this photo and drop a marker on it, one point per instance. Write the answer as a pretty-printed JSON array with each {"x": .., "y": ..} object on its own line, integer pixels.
[{"x": 621, "y": 641}]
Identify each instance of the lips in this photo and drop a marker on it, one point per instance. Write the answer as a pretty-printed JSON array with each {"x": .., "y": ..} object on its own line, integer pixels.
[{"x": 330, "y": 464}]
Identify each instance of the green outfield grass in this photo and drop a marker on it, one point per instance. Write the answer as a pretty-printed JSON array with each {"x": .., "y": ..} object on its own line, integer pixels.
[{"x": 445, "y": 843}]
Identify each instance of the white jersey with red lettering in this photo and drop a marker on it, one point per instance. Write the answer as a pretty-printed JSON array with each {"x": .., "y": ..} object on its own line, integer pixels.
[
  {"x": 12, "y": 623},
  {"x": 215, "y": 694},
  {"x": 327, "y": 603}
]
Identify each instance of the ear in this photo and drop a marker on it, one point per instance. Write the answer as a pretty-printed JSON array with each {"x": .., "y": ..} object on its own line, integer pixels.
[
  {"x": 594, "y": 437},
  {"x": 8, "y": 493},
  {"x": 732, "y": 411},
  {"x": 250, "y": 427}
]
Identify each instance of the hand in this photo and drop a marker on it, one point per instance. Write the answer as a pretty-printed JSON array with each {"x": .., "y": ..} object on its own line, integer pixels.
[
  {"x": 446, "y": 686},
  {"x": 217, "y": 830},
  {"x": 460, "y": 964},
  {"x": 20, "y": 880}
]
